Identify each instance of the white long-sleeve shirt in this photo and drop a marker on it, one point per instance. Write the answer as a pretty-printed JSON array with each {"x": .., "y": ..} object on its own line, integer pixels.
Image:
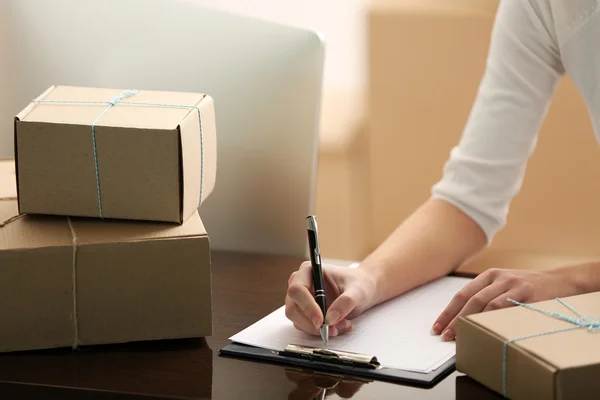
[{"x": 533, "y": 43}]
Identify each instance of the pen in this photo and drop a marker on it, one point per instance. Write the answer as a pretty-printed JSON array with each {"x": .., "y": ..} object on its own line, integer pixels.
[{"x": 317, "y": 273}]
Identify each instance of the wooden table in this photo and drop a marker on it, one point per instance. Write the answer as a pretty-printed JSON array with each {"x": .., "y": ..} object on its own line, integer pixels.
[{"x": 245, "y": 288}]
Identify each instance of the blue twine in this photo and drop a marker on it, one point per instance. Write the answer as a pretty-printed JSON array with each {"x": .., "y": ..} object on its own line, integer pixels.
[
  {"x": 591, "y": 323},
  {"x": 118, "y": 100}
]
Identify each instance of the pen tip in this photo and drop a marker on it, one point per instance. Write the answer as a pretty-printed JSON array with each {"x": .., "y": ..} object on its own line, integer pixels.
[
  {"x": 312, "y": 222},
  {"x": 325, "y": 334}
]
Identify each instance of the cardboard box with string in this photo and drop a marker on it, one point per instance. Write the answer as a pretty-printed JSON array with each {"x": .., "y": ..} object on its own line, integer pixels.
[
  {"x": 72, "y": 279},
  {"x": 544, "y": 350},
  {"x": 115, "y": 154}
]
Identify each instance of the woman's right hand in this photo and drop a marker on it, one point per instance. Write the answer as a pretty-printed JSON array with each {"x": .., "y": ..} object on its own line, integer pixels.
[{"x": 349, "y": 291}]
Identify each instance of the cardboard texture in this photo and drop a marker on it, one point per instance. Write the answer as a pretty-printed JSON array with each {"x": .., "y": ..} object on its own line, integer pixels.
[
  {"x": 82, "y": 281},
  {"x": 426, "y": 60},
  {"x": 560, "y": 365},
  {"x": 153, "y": 161}
]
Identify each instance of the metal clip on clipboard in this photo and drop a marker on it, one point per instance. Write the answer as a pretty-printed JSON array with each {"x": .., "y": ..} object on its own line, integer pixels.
[{"x": 331, "y": 356}]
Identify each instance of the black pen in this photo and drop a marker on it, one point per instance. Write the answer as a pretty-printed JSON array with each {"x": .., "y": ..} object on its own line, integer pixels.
[{"x": 317, "y": 273}]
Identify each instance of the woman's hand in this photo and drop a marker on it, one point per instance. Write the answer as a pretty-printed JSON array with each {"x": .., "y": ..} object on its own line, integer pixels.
[
  {"x": 349, "y": 291},
  {"x": 490, "y": 290}
]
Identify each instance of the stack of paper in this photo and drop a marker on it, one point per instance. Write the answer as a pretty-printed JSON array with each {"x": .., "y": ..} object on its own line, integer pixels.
[{"x": 396, "y": 332}]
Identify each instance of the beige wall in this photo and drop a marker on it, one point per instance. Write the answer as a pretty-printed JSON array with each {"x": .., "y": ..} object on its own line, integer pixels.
[
  {"x": 342, "y": 23},
  {"x": 6, "y": 130}
]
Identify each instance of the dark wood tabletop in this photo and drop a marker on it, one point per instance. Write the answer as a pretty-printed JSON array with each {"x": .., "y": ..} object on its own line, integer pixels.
[{"x": 245, "y": 289}]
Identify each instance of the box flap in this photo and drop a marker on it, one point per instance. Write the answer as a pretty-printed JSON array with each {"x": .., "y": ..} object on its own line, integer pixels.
[
  {"x": 562, "y": 350},
  {"x": 79, "y": 108},
  {"x": 91, "y": 231}
]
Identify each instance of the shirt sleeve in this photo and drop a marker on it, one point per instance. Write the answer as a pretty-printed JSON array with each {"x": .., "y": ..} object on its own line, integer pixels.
[{"x": 485, "y": 169}]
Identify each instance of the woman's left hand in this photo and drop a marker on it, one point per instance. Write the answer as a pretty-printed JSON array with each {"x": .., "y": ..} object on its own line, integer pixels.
[{"x": 490, "y": 290}]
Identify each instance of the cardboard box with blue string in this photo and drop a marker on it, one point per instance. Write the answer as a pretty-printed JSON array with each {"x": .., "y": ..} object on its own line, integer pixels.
[
  {"x": 100, "y": 236},
  {"x": 544, "y": 350},
  {"x": 115, "y": 154}
]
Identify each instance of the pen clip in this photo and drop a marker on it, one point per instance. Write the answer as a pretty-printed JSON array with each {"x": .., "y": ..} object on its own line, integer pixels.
[{"x": 331, "y": 356}]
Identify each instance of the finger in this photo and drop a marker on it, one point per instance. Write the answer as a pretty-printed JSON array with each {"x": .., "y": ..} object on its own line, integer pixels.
[
  {"x": 302, "y": 275},
  {"x": 305, "y": 326},
  {"x": 502, "y": 301},
  {"x": 343, "y": 326},
  {"x": 343, "y": 306},
  {"x": 460, "y": 299},
  {"x": 301, "y": 321},
  {"x": 299, "y": 293},
  {"x": 332, "y": 289},
  {"x": 291, "y": 278},
  {"x": 476, "y": 304}
]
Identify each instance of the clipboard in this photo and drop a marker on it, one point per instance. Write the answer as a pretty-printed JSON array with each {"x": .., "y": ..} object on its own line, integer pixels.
[
  {"x": 338, "y": 362},
  {"x": 274, "y": 339}
]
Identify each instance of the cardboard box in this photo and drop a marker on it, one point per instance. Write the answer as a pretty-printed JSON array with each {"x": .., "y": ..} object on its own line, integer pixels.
[
  {"x": 547, "y": 357},
  {"x": 82, "y": 281},
  {"x": 110, "y": 153}
]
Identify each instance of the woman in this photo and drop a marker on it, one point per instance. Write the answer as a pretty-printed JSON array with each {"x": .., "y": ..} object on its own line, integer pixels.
[{"x": 534, "y": 42}]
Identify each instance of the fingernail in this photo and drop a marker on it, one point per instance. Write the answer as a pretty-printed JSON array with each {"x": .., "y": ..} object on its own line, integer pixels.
[
  {"x": 316, "y": 323},
  {"x": 346, "y": 325},
  {"x": 332, "y": 318},
  {"x": 333, "y": 331},
  {"x": 448, "y": 335},
  {"x": 436, "y": 329}
]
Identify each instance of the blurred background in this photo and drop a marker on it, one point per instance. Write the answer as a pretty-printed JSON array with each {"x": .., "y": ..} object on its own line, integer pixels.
[{"x": 400, "y": 79}]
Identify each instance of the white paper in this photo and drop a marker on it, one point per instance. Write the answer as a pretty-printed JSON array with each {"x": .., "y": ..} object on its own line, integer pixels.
[{"x": 397, "y": 332}]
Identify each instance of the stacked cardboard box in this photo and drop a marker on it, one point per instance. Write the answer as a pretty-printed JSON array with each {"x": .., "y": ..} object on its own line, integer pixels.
[{"x": 100, "y": 237}]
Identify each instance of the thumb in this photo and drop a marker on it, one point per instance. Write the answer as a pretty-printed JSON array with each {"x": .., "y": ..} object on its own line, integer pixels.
[{"x": 343, "y": 305}]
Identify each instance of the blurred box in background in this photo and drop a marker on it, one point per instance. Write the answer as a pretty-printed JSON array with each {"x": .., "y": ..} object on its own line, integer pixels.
[
  {"x": 426, "y": 58},
  {"x": 343, "y": 193}
]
